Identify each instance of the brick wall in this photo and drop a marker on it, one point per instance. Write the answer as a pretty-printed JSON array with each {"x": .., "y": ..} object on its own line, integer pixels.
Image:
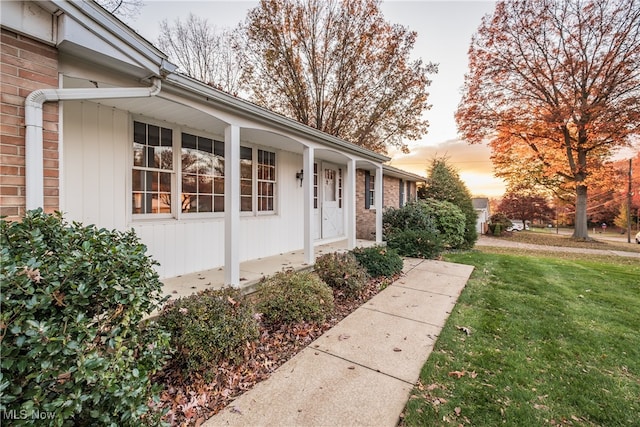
[
  {"x": 27, "y": 65},
  {"x": 366, "y": 218}
]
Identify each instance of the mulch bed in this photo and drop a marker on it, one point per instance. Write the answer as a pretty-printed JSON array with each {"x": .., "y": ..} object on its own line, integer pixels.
[{"x": 191, "y": 401}]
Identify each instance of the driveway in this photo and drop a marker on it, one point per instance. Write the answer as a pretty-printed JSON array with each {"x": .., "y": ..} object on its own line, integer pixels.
[{"x": 504, "y": 243}]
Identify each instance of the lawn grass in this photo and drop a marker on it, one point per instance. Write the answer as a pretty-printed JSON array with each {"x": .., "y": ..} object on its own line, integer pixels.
[{"x": 550, "y": 341}]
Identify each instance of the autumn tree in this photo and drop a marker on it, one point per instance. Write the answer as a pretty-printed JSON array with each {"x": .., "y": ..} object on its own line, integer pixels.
[
  {"x": 202, "y": 51},
  {"x": 554, "y": 86},
  {"x": 337, "y": 66},
  {"x": 444, "y": 183},
  {"x": 525, "y": 204}
]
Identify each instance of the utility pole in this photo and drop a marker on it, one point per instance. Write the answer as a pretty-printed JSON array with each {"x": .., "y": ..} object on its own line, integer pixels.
[{"x": 629, "y": 206}]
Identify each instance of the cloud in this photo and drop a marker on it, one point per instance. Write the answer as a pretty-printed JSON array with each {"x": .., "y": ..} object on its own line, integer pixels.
[{"x": 473, "y": 163}]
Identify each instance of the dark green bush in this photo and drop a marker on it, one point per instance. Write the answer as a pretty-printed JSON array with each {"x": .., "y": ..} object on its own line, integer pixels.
[
  {"x": 412, "y": 216},
  {"x": 416, "y": 243},
  {"x": 290, "y": 297},
  {"x": 209, "y": 327},
  {"x": 72, "y": 300},
  {"x": 342, "y": 272},
  {"x": 498, "y": 223},
  {"x": 379, "y": 261}
]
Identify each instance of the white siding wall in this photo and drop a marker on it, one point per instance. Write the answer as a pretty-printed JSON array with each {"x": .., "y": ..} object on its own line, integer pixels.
[
  {"x": 265, "y": 235},
  {"x": 96, "y": 170},
  {"x": 94, "y": 165}
]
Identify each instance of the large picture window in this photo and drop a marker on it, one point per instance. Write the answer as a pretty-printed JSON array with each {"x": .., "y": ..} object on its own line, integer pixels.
[
  {"x": 202, "y": 174},
  {"x": 152, "y": 169},
  {"x": 194, "y": 183}
]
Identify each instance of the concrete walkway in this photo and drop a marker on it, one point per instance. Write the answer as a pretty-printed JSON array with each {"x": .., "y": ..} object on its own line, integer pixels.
[{"x": 360, "y": 372}]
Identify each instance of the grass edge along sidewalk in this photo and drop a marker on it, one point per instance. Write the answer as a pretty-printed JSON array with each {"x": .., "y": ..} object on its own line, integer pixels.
[{"x": 536, "y": 340}]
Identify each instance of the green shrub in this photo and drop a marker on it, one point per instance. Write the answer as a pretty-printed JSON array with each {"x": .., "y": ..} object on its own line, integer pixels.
[
  {"x": 342, "y": 272},
  {"x": 497, "y": 229},
  {"x": 416, "y": 243},
  {"x": 499, "y": 222},
  {"x": 412, "y": 216},
  {"x": 290, "y": 297},
  {"x": 379, "y": 261},
  {"x": 209, "y": 327},
  {"x": 449, "y": 220},
  {"x": 72, "y": 301}
]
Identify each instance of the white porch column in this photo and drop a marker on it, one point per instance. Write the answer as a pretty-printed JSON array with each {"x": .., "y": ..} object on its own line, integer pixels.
[
  {"x": 350, "y": 204},
  {"x": 232, "y": 206},
  {"x": 307, "y": 183},
  {"x": 378, "y": 200}
]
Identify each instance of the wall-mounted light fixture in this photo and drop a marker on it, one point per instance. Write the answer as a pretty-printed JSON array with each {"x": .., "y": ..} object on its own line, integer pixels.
[{"x": 300, "y": 176}]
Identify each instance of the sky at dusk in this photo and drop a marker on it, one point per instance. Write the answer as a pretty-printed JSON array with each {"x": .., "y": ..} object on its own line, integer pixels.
[{"x": 444, "y": 33}]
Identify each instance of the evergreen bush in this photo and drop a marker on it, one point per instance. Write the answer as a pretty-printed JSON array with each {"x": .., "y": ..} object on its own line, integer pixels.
[
  {"x": 342, "y": 272},
  {"x": 379, "y": 261},
  {"x": 209, "y": 327},
  {"x": 72, "y": 301},
  {"x": 416, "y": 243},
  {"x": 291, "y": 297}
]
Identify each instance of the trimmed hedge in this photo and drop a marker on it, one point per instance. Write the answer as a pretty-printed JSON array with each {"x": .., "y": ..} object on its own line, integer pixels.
[
  {"x": 342, "y": 272},
  {"x": 291, "y": 297},
  {"x": 379, "y": 261},
  {"x": 208, "y": 327}
]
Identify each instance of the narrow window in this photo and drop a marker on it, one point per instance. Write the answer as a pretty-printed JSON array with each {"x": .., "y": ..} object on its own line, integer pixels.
[
  {"x": 152, "y": 169},
  {"x": 246, "y": 179},
  {"x": 266, "y": 181},
  {"x": 315, "y": 186},
  {"x": 369, "y": 190},
  {"x": 340, "y": 188}
]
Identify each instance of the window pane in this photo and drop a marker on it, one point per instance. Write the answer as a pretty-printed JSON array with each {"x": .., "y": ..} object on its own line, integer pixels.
[
  {"x": 189, "y": 202},
  {"x": 205, "y": 203},
  {"x": 218, "y": 149},
  {"x": 189, "y": 141},
  {"x": 246, "y": 204},
  {"x": 219, "y": 203},
  {"x": 205, "y": 144},
  {"x": 140, "y": 133},
  {"x": 153, "y": 135},
  {"x": 137, "y": 183}
]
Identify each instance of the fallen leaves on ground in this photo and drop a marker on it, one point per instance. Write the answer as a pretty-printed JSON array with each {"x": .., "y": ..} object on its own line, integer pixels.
[{"x": 191, "y": 400}]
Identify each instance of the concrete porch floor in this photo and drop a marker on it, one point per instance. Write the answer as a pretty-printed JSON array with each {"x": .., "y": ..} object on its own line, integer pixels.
[{"x": 251, "y": 272}]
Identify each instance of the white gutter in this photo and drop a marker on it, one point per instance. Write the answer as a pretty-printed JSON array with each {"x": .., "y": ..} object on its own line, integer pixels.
[{"x": 34, "y": 162}]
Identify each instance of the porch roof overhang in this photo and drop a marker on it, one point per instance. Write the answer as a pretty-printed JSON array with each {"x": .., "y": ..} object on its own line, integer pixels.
[
  {"x": 402, "y": 174},
  {"x": 191, "y": 88}
]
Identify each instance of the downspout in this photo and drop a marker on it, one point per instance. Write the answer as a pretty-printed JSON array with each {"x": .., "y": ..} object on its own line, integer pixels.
[{"x": 34, "y": 161}]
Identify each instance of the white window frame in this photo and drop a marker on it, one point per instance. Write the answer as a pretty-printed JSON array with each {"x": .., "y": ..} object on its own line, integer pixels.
[
  {"x": 255, "y": 181},
  {"x": 180, "y": 214},
  {"x": 132, "y": 167}
]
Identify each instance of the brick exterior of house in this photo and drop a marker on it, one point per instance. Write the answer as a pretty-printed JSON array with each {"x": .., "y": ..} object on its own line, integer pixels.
[
  {"x": 27, "y": 65},
  {"x": 366, "y": 218}
]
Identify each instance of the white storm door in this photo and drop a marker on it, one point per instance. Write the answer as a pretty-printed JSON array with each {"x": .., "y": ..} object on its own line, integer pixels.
[{"x": 332, "y": 218}]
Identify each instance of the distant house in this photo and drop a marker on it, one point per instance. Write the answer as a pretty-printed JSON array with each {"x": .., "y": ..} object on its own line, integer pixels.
[
  {"x": 481, "y": 205},
  {"x": 97, "y": 123}
]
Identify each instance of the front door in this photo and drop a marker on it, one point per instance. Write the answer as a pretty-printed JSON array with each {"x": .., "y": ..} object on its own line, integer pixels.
[{"x": 332, "y": 218}]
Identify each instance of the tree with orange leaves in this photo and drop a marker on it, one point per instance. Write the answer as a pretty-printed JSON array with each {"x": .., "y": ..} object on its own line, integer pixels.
[{"x": 554, "y": 86}]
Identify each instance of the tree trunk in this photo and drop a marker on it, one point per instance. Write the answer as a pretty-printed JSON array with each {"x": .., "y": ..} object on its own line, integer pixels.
[{"x": 581, "y": 231}]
